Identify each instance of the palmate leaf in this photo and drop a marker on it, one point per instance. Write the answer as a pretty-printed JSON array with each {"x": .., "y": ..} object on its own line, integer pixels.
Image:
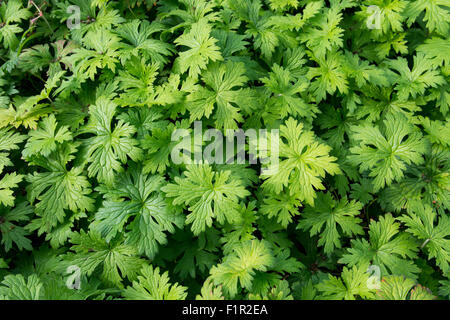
[
  {"x": 116, "y": 260},
  {"x": 229, "y": 42},
  {"x": 96, "y": 179},
  {"x": 240, "y": 266},
  {"x": 436, "y": 238},
  {"x": 351, "y": 285},
  {"x": 390, "y": 14},
  {"x": 284, "y": 91},
  {"x": 190, "y": 11},
  {"x": 137, "y": 81},
  {"x": 435, "y": 49},
  {"x": 43, "y": 140},
  {"x": 437, "y": 131},
  {"x": 328, "y": 77},
  {"x": 136, "y": 34},
  {"x": 428, "y": 182},
  {"x": 101, "y": 52},
  {"x": 110, "y": 146},
  {"x": 144, "y": 120},
  {"x": 11, "y": 14},
  {"x": 208, "y": 194},
  {"x": 36, "y": 58},
  {"x": 387, "y": 248},
  {"x": 414, "y": 82},
  {"x": 58, "y": 235},
  {"x": 294, "y": 60},
  {"x": 103, "y": 19},
  {"x": 136, "y": 197},
  {"x": 159, "y": 145},
  {"x": 442, "y": 97},
  {"x": 58, "y": 188},
  {"x": 16, "y": 287},
  {"x": 337, "y": 123},
  {"x": 259, "y": 25},
  {"x": 60, "y": 278},
  {"x": 386, "y": 152},
  {"x": 303, "y": 160},
  {"x": 402, "y": 288},
  {"x": 324, "y": 34},
  {"x": 363, "y": 72},
  {"x": 152, "y": 285},
  {"x": 362, "y": 191},
  {"x": 224, "y": 94},
  {"x": 379, "y": 102},
  {"x": 281, "y": 206},
  {"x": 13, "y": 11},
  {"x": 325, "y": 217},
  {"x": 27, "y": 113},
  {"x": 202, "y": 48},
  {"x": 39, "y": 57},
  {"x": 436, "y": 14},
  {"x": 389, "y": 43}
]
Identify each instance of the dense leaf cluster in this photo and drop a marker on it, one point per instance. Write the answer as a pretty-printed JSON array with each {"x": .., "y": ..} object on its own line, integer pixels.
[{"x": 88, "y": 188}]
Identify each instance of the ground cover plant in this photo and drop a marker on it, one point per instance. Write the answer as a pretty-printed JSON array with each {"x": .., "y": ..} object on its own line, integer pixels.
[{"x": 96, "y": 202}]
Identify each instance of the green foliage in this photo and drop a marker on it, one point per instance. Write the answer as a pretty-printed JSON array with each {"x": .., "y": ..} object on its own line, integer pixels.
[
  {"x": 154, "y": 286},
  {"x": 209, "y": 292},
  {"x": 303, "y": 159},
  {"x": 401, "y": 288},
  {"x": 15, "y": 287},
  {"x": 218, "y": 95},
  {"x": 7, "y": 183},
  {"x": 8, "y": 141},
  {"x": 325, "y": 217},
  {"x": 92, "y": 253},
  {"x": 136, "y": 196},
  {"x": 386, "y": 154},
  {"x": 202, "y": 48},
  {"x": 240, "y": 267},
  {"x": 208, "y": 194},
  {"x": 421, "y": 224},
  {"x": 11, "y": 231},
  {"x": 43, "y": 140},
  {"x": 108, "y": 147},
  {"x": 387, "y": 248},
  {"x": 351, "y": 285},
  {"x": 353, "y": 176},
  {"x": 58, "y": 189}
]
